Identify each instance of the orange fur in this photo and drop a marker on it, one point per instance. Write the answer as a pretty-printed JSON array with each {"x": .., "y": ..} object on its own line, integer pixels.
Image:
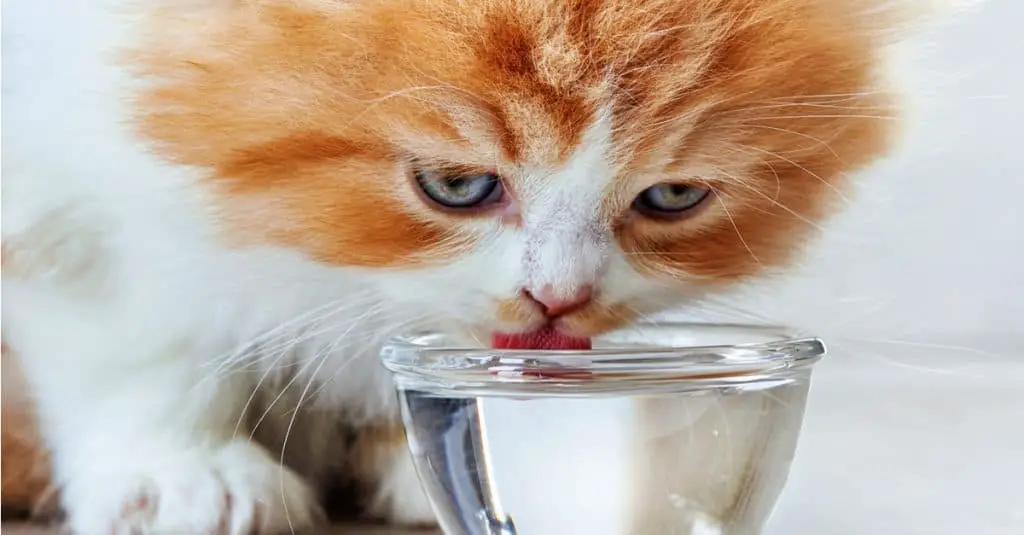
[
  {"x": 25, "y": 466},
  {"x": 337, "y": 97},
  {"x": 310, "y": 110},
  {"x": 517, "y": 310},
  {"x": 24, "y": 460},
  {"x": 596, "y": 318},
  {"x": 372, "y": 450}
]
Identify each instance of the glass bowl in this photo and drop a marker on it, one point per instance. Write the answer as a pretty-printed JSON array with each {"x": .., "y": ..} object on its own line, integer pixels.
[{"x": 660, "y": 429}]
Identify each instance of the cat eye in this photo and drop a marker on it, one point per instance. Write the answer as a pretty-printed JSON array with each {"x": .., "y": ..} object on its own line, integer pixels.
[
  {"x": 670, "y": 200},
  {"x": 458, "y": 190}
]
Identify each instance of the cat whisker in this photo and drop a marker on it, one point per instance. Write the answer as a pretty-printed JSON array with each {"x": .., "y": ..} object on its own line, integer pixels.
[
  {"x": 830, "y": 97},
  {"x": 889, "y": 361},
  {"x": 287, "y": 435},
  {"x": 820, "y": 116},
  {"x": 787, "y": 209},
  {"x": 279, "y": 331},
  {"x": 665, "y": 254},
  {"x": 714, "y": 305},
  {"x": 646, "y": 318},
  {"x": 737, "y": 229},
  {"x": 329, "y": 351},
  {"x": 860, "y": 312},
  {"x": 248, "y": 361},
  {"x": 393, "y": 327},
  {"x": 407, "y": 91},
  {"x": 247, "y": 345},
  {"x": 281, "y": 351},
  {"x": 688, "y": 118},
  {"x": 358, "y": 341},
  {"x": 818, "y": 105},
  {"x": 310, "y": 332},
  {"x": 820, "y": 142},
  {"x": 796, "y": 164},
  {"x": 668, "y": 270},
  {"x": 301, "y": 372},
  {"x": 374, "y": 102},
  {"x": 954, "y": 348}
]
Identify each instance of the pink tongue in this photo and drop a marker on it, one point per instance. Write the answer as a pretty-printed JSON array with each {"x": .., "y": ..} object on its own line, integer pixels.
[{"x": 544, "y": 339}]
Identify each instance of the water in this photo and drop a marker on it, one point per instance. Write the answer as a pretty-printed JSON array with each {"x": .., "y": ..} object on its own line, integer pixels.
[{"x": 696, "y": 462}]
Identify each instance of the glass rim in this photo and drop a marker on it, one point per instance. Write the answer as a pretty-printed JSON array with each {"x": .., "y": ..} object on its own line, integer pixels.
[{"x": 424, "y": 361}]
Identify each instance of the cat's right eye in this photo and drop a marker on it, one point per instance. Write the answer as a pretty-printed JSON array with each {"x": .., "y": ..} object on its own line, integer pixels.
[{"x": 460, "y": 190}]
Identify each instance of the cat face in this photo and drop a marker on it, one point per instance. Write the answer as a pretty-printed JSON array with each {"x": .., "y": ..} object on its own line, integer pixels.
[{"x": 503, "y": 162}]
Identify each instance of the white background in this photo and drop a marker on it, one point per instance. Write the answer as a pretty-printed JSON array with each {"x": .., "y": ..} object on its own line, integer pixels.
[
  {"x": 916, "y": 424},
  {"x": 932, "y": 246}
]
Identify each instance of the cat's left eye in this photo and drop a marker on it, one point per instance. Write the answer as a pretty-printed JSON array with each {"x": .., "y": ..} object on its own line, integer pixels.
[
  {"x": 460, "y": 190},
  {"x": 670, "y": 200}
]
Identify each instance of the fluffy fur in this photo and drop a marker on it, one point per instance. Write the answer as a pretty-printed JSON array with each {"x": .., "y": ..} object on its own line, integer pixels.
[{"x": 208, "y": 220}]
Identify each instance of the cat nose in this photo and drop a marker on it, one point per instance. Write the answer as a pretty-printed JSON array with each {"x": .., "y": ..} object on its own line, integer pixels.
[{"x": 556, "y": 305}]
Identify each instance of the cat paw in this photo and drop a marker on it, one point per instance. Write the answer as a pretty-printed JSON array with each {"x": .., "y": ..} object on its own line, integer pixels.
[{"x": 235, "y": 490}]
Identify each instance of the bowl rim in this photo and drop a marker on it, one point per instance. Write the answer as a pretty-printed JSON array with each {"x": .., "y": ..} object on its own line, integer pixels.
[{"x": 421, "y": 360}]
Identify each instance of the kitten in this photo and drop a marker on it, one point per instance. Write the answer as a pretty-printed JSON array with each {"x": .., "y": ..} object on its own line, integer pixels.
[{"x": 214, "y": 212}]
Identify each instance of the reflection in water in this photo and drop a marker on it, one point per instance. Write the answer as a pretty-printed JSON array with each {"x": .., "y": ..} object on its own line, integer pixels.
[
  {"x": 448, "y": 441},
  {"x": 698, "y": 463}
]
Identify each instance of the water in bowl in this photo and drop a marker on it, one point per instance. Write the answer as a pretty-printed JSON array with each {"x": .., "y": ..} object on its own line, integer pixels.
[{"x": 694, "y": 441}]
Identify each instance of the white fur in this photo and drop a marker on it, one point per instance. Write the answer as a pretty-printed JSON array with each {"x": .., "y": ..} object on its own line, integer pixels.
[
  {"x": 136, "y": 325},
  {"x": 156, "y": 352},
  {"x": 144, "y": 338},
  {"x": 567, "y": 243}
]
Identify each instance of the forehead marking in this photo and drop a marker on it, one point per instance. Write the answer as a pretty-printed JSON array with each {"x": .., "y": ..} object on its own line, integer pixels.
[
  {"x": 566, "y": 241},
  {"x": 574, "y": 190}
]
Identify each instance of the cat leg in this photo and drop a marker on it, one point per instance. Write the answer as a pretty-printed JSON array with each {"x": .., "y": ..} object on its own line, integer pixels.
[
  {"x": 147, "y": 445},
  {"x": 380, "y": 461}
]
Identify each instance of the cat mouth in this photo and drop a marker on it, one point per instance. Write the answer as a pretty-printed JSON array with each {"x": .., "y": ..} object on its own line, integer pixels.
[{"x": 546, "y": 338}]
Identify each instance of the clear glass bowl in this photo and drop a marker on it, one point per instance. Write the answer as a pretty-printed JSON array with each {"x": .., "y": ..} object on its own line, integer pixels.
[{"x": 661, "y": 429}]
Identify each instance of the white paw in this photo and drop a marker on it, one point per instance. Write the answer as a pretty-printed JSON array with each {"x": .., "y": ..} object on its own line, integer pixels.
[
  {"x": 400, "y": 498},
  {"x": 234, "y": 490}
]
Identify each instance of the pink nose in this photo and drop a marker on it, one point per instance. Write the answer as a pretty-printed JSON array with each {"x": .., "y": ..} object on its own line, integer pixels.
[{"x": 555, "y": 305}]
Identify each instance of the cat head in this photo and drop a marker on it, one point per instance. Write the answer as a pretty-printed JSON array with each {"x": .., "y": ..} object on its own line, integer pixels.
[{"x": 510, "y": 163}]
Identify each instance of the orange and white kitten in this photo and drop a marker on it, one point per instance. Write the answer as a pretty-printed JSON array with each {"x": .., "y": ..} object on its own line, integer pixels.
[{"x": 215, "y": 211}]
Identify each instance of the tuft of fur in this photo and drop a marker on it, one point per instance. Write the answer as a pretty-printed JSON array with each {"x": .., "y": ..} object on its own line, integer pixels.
[
  {"x": 209, "y": 225},
  {"x": 25, "y": 484}
]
